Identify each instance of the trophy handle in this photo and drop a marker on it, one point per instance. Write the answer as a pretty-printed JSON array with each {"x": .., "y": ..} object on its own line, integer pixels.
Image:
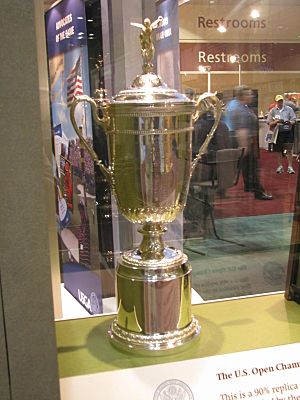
[
  {"x": 100, "y": 121},
  {"x": 207, "y": 102}
]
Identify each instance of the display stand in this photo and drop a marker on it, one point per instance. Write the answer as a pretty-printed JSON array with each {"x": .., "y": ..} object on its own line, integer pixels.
[{"x": 85, "y": 354}]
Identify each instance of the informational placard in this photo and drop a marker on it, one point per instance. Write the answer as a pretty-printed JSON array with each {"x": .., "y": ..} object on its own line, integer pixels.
[{"x": 264, "y": 374}]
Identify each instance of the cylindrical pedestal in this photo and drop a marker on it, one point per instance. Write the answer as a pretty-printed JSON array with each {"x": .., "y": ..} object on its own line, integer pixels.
[{"x": 154, "y": 303}]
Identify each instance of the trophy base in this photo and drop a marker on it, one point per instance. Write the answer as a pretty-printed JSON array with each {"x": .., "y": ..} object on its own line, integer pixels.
[
  {"x": 154, "y": 303},
  {"x": 154, "y": 344}
]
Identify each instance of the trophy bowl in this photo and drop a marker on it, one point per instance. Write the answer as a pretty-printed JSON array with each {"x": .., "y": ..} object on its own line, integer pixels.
[{"x": 149, "y": 130}]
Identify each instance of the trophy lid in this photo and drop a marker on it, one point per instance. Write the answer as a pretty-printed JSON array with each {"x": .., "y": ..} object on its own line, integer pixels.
[{"x": 148, "y": 87}]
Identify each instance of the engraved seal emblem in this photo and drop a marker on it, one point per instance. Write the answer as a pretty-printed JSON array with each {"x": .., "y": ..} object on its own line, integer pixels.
[{"x": 173, "y": 389}]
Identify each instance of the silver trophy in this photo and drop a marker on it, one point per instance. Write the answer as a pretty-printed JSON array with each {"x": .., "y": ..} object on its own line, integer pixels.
[{"x": 149, "y": 130}]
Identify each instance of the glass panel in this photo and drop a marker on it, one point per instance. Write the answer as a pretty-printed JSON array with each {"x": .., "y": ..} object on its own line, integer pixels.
[
  {"x": 242, "y": 236},
  {"x": 236, "y": 226}
]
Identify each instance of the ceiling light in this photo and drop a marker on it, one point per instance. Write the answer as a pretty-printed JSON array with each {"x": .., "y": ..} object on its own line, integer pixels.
[
  {"x": 254, "y": 14},
  {"x": 234, "y": 59},
  {"x": 180, "y": 2},
  {"x": 221, "y": 29}
]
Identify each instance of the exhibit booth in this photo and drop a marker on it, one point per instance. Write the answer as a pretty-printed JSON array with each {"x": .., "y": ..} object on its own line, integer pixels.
[{"x": 101, "y": 104}]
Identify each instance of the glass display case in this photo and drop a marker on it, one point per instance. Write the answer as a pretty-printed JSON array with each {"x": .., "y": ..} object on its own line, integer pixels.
[
  {"x": 238, "y": 243},
  {"x": 236, "y": 216}
]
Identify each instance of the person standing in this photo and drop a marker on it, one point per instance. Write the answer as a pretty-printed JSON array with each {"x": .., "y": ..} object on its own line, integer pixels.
[
  {"x": 283, "y": 117},
  {"x": 291, "y": 102},
  {"x": 230, "y": 109},
  {"x": 245, "y": 125}
]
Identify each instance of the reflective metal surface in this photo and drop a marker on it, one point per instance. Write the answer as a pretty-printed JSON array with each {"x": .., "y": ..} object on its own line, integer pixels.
[
  {"x": 149, "y": 129},
  {"x": 156, "y": 343},
  {"x": 148, "y": 287},
  {"x": 151, "y": 178},
  {"x": 154, "y": 304}
]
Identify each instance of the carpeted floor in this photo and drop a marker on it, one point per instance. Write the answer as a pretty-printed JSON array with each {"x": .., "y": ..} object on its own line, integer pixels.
[
  {"x": 237, "y": 203},
  {"x": 256, "y": 262}
]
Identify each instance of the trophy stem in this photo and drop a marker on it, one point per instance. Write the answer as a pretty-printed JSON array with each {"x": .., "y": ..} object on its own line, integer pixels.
[{"x": 152, "y": 245}]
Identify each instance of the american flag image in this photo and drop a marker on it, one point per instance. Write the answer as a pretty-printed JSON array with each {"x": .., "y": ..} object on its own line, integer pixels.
[{"x": 74, "y": 82}]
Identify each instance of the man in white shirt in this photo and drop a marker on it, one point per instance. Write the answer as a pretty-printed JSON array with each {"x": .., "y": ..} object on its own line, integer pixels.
[{"x": 283, "y": 117}]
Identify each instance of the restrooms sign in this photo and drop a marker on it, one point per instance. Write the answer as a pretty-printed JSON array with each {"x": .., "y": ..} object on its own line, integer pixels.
[
  {"x": 231, "y": 23},
  {"x": 252, "y": 56}
]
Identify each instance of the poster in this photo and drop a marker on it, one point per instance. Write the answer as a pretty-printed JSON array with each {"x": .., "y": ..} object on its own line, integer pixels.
[
  {"x": 73, "y": 168},
  {"x": 167, "y": 43}
]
